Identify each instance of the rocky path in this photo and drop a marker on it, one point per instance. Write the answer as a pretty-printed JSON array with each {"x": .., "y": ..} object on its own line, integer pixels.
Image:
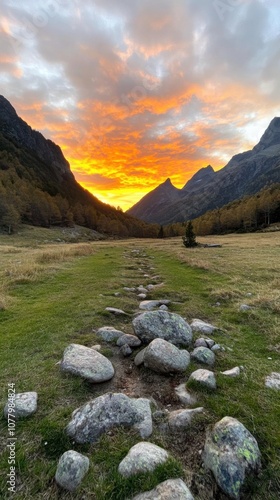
[{"x": 143, "y": 385}]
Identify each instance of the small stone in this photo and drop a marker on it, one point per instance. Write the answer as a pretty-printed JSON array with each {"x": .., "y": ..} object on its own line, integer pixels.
[
  {"x": 204, "y": 377},
  {"x": 142, "y": 296},
  {"x": 185, "y": 397},
  {"x": 197, "y": 325},
  {"x": 179, "y": 420},
  {"x": 141, "y": 458},
  {"x": 273, "y": 381},
  {"x": 24, "y": 405},
  {"x": 172, "y": 489},
  {"x": 109, "y": 333},
  {"x": 234, "y": 372},
  {"x": 96, "y": 347},
  {"x": 116, "y": 312},
  {"x": 139, "y": 358},
  {"x": 117, "y": 294},
  {"x": 149, "y": 305},
  {"x": 126, "y": 350},
  {"x": 200, "y": 343},
  {"x": 71, "y": 469},
  {"x": 203, "y": 355},
  {"x": 130, "y": 340},
  {"x": 150, "y": 287},
  {"x": 216, "y": 348},
  {"x": 128, "y": 289},
  {"x": 163, "y": 308},
  {"x": 244, "y": 308}
]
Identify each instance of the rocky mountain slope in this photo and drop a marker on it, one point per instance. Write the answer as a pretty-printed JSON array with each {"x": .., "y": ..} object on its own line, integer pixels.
[{"x": 245, "y": 174}]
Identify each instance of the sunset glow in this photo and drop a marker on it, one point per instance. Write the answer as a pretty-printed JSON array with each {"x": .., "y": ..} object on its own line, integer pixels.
[{"x": 137, "y": 91}]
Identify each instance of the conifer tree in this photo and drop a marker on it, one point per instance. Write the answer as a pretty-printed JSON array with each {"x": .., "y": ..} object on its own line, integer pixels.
[{"x": 189, "y": 240}]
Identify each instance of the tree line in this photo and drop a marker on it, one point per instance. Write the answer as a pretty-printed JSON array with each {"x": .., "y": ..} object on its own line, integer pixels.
[{"x": 245, "y": 215}]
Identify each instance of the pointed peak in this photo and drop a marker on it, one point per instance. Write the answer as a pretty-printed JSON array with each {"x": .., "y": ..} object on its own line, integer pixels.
[
  {"x": 167, "y": 182},
  {"x": 271, "y": 137}
]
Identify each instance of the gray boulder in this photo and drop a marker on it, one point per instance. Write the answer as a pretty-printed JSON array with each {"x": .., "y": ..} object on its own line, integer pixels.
[
  {"x": 141, "y": 458},
  {"x": 23, "y": 405},
  {"x": 231, "y": 453},
  {"x": 110, "y": 410},
  {"x": 172, "y": 489},
  {"x": 149, "y": 305},
  {"x": 205, "y": 378},
  {"x": 197, "y": 325},
  {"x": 109, "y": 333},
  {"x": 162, "y": 324},
  {"x": 273, "y": 381},
  {"x": 87, "y": 363},
  {"x": 203, "y": 355},
  {"x": 163, "y": 357},
  {"x": 71, "y": 469},
  {"x": 130, "y": 340}
]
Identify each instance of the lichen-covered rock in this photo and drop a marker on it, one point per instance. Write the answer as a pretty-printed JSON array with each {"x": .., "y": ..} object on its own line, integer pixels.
[
  {"x": 23, "y": 405},
  {"x": 163, "y": 357},
  {"x": 273, "y": 381},
  {"x": 231, "y": 453},
  {"x": 172, "y": 489},
  {"x": 71, "y": 469},
  {"x": 130, "y": 340},
  {"x": 143, "y": 457},
  {"x": 109, "y": 333},
  {"x": 197, "y": 325},
  {"x": 203, "y": 355},
  {"x": 205, "y": 378},
  {"x": 171, "y": 327},
  {"x": 87, "y": 363},
  {"x": 110, "y": 410}
]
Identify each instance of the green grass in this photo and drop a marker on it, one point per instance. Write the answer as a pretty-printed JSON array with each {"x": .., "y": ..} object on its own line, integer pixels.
[{"x": 65, "y": 300}]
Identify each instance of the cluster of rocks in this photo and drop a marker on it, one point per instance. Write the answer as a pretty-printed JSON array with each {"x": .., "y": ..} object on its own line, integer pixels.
[{"x": 230, "y": 451}]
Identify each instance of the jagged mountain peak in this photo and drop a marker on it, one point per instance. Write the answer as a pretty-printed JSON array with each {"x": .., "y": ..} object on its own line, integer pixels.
[
  {"x": 201, "y": 177},
  {"x": 271, "y": 136}
]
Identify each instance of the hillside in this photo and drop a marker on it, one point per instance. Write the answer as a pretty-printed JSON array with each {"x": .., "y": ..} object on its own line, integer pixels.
[
  {"x": 245, "y": 174},
  {"x": 38, "y": 187}
]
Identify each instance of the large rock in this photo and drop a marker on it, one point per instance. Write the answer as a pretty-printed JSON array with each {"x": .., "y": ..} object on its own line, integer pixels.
[
  {"x": 231, "y": 453},
  {"x": 143, "y": 457},
  {"x": 23, "y": 405},
  {"x": 109, "y": 333},
  {"x": 163, "y": 357},
  {"x": 149, "y": 305},
  {"x": 172, "y": 489},
  {"x": 151, "y": 325},
  {"x": 205, "y": 378},
  {"x": 94, "y": 418},
  {"x": 197, "y": 325},
  {"x": 203, "y": 355},
  {"x": 72, "y": 467},
  {"x": 87, "y": 363}
]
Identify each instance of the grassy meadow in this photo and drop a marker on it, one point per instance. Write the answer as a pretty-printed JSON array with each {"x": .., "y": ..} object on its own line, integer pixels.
[{"x": 54, "y": 291}]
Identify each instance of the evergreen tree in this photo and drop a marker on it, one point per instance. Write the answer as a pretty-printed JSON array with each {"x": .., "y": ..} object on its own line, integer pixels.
[
  {"x": 189, "y": 240},
  {"x": 161, "y": 232}
]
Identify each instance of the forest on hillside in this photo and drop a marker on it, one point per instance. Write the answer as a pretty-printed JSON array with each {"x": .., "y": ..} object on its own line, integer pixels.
[
  {"x": 29, "y": 195},
  {"x": 248, "y": 214}
]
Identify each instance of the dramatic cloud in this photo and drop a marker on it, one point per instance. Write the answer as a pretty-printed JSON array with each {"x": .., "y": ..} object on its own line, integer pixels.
[{"x": 135, "y": 91}]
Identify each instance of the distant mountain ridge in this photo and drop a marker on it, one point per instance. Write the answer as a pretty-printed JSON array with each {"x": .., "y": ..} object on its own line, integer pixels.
[{"x": 245, "y": 174}]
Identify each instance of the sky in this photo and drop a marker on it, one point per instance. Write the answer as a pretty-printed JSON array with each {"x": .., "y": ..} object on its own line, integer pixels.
[{"x": 136, "y": 91}]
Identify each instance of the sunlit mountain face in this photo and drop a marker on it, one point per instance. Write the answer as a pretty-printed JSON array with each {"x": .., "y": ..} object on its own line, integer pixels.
[{"x": 137, "y": 91}]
